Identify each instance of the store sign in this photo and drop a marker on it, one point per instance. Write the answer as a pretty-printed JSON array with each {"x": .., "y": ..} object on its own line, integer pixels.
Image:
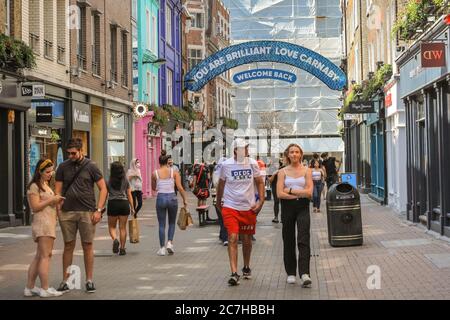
[
  {"x": 361, "y": 107},
  {"x": 41, "y": 132},
  {"x": 390, "y": 100},
  {"x": 264, "y": 74},
  {"x": 27, "y": 91},
  {"x": 265, "y": 51},
  {"x": 432, "y": 55},
  {"x": 8, "y": 90},
  {"x": 44, "y": 114},
  {"x": 81, "y": 117},
  {"x": 35, "y": 90}
]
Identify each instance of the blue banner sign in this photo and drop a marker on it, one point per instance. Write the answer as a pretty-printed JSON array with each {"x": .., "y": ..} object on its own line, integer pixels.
[
  {"x": 264, "y": 74},
  {"x": 265, "y": 51}
]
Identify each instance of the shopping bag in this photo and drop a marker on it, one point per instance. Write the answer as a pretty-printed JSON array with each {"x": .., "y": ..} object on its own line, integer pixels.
[
  {"x": 183, "y": 219},
  {"x": 190, "y": 222},
  {"x": 133, "y": 228}
]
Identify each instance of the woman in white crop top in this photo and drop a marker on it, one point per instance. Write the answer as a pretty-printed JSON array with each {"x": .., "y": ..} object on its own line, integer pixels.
[
  {"x": 318, "y": 176},
  {"x": 294, "y": 188},
  {"x": 163, "y": 181}
]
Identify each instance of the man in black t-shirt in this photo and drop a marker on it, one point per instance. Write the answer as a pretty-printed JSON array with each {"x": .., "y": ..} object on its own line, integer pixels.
[
  {"x": 75, "y": 180},
  {"x": 330, "y": 168}
]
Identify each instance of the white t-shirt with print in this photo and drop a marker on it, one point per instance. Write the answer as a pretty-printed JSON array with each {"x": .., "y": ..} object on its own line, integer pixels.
[{"x": 239, "y": 193}]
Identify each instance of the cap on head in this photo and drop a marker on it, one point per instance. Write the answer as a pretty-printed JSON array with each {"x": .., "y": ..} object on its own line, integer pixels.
[{"x": 240, "y": 143}]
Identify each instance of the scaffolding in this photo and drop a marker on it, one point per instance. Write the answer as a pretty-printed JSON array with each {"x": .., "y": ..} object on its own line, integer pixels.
[{"x": 306, "y": 109}]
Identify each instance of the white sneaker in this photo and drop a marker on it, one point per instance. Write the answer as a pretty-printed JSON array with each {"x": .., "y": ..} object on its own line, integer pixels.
[
  {"x": 169, "y": 248},
  {"x": 162, "y": 251},
  {"x": 306, "y": 280},
  {"x": 291, "y": 279},
  {"x": 31, "y": 292},
  {"x": 50, "y": 292}
]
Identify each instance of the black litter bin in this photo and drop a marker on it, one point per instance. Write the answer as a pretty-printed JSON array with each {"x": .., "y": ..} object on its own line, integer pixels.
[{"x": 344, "y": 216}]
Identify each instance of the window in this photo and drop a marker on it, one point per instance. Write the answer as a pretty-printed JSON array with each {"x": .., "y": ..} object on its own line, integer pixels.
[
  {"x": 195, "y": 56},
  {"x": 356, "y": 69},
  {"x": 34, "y": 25},
  {"x": 154, "y": 34},
  {"x": 355, "y": 15},
  {"x": 48, "y": 29},
  {"x": 81, "y": 39},
  {"x": 113, "y": 48},
  {"x": 61, "y": 31},
  {"x": 125, "y": 58},
  {"x": 197, "y": 21},
  {"x": 134, "y": 10},
  {"x": 169, "y": 86},
  {"x": 95, "y": 44},
  {"x": 7, "y": 17},
  {"x": 155, "y": 90},
  {"x": 149, "y": 85},
  {"x": 168, "y": 24},
  {"x": 147, "y": 28}
]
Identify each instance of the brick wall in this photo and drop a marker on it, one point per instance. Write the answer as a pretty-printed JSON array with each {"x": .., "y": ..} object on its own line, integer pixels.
[{"x": 117, "y": 12}]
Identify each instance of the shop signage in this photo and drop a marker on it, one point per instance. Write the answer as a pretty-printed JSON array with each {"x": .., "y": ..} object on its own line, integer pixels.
[
  {"x": 44, "y": 114},
  {"x": 264, "y": 74},
  {"x": 115, "y": 137},
  {"x": 265, "y": 51},
  {"x": 81, "y": 117},
  {"x": 432, "y": 54},
  {"x": 154, "y": 130},
  {"x": 361, "y": 107},
  {"x": 35, "y": 90},
  {"x": 140, "y": 110},
  {"x": 8, "y": 90},
  {"x": 41, "y": 132}
]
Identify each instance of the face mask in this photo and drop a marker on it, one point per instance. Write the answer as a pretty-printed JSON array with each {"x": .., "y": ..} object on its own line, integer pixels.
[{"x": 138, "y": 165}]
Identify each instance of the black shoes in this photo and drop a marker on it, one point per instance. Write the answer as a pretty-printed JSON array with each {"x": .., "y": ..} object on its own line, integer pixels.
[
  {"x": 122, "y": 252},
  {"x": 90, "y": 288},
  {"x": 275, "y": 220},
  {"x": 234, "y": 279},
  {"x": 247, "y": 273},
  {"x": 63, "y": 287},
  {"x": 115, "y": 246}
]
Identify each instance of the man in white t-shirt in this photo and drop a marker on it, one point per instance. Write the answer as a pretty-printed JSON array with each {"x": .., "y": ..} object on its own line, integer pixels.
[{"x": 239, "y": 177}]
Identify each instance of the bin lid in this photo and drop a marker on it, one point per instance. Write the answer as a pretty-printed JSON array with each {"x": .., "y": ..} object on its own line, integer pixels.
[{"x": 342, "y": 191}]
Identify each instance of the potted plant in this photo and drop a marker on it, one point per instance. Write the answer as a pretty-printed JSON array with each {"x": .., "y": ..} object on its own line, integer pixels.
[{"x": 15, "y": 54}]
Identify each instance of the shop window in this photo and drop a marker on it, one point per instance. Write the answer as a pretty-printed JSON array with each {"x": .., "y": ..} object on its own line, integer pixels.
[
  {"x": 116, "y": 120},
  {"x": 45, "y": 143},
  {"x": 116, "y": 148}
]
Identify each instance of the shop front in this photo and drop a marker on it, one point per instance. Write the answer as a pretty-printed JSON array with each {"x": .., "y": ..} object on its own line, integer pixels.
[
  {"x": 147, "y": 149},
  {"x": 81, "y": 125},
  {"x": 12, "y": 153},
  {"x": 117, "y": 143},
  {"x": 425, "y": 92}
]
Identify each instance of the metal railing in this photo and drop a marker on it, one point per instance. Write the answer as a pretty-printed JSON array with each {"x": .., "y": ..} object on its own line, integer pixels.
[
  {"x": 124, "y": 79},
  {"x": 34, "y": 42},
  {"x": 96, "y": 68},
  {"x": 48, "y": 49},
  {"x": 81, "y": 62},
  {"x": 61, "y": 55},
  {"x": 114, "y": 75}
]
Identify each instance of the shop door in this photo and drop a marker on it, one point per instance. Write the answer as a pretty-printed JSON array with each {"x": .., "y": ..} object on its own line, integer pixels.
[{"x": 422, "y": 162}]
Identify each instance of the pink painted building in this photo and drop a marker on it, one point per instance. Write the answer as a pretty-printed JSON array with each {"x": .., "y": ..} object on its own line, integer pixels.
[{"x": 148, "y": 150}]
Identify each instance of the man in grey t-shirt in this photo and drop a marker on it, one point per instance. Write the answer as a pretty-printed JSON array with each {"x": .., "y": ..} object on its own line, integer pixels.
[{"x": 79, "y": 211}]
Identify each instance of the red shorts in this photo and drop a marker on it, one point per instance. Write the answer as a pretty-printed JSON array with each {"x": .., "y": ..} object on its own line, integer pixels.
[{"x": 239, "y": 221}]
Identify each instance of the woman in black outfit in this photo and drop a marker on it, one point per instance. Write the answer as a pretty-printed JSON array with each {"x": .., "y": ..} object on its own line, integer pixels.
[{"x": 294, "y": 188}]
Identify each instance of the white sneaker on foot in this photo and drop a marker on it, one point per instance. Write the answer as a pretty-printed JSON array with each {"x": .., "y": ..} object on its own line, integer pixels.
[
  {"x": 50, "y": 292},
  {"x": 31, "y": 292},
  {"x": 169, "y": 248},
  {"x": 291, "y": 279},
  {"x": 161, "y": 251},
  {"x": 306, "y": 280}
]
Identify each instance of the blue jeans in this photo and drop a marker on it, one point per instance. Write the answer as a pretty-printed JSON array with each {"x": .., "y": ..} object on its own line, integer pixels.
[
  {"x": 317, "y": 192},
  {"x": 166, "y": 203}
]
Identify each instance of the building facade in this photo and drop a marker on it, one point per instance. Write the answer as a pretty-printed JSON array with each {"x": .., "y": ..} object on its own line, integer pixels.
[
  {"x": 147, "y": 142},
  {"x": 82, "y": 79},
  {"x": 425, "y": 94}
]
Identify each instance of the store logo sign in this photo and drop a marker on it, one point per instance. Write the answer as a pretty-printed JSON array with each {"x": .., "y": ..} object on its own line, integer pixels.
[
  {"x": 265, "y": 51},
  {"x": 44, "y": 114},
  {"x": 80, "y": 116},
  {"x": 361, "y": 107},
  {"x": 433, "y": 55},
  {"x": 27, "y": 91}
]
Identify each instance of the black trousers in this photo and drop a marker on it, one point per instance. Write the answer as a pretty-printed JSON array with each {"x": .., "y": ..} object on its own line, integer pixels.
[
  {"x": 137, "y": 201},
  {"x": 295, "y": 213}
]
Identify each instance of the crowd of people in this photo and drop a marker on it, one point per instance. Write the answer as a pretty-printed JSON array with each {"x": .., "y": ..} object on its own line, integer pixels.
[{"x": 238, "y": 185}]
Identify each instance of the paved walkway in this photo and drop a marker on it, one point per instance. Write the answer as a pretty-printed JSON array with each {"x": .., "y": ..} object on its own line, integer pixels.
[{"x": 413, "y": 264}]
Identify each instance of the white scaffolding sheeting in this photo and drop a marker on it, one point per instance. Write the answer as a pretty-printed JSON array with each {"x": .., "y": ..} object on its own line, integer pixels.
[{"x": 308, "y": 106}]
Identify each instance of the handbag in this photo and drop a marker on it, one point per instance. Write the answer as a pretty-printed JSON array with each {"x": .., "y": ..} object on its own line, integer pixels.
[
  {"x": 133, "y": 228},
  {"x": 184, "y": 219}
]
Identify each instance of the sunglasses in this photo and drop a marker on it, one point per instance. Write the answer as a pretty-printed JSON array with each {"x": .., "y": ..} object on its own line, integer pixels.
[{"x": 72, "y": 153}]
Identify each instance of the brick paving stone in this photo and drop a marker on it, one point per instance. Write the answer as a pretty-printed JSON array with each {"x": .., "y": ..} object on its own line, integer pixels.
[{"x": 199, "y": 269}]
